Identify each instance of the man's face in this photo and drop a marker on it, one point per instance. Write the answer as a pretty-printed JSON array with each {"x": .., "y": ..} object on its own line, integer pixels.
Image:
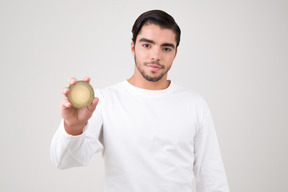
[{"x": 154, "y": 51}]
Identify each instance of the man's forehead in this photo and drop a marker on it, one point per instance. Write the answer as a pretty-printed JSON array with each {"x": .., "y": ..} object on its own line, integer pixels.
[{"x": 157, "y": 34}]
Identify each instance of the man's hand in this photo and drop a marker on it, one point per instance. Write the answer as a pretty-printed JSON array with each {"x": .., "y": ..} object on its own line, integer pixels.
[{"x": 75, "y": 119}]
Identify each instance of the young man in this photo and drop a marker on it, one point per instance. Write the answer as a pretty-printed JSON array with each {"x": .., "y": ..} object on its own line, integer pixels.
[{"x": 154, "y": 135}]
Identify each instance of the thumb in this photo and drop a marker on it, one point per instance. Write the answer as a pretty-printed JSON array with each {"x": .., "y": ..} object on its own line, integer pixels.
[{"x": 93, "y": 105}]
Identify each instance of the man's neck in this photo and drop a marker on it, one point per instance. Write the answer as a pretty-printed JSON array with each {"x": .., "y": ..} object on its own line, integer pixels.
[{"x": 141, "y": 82}]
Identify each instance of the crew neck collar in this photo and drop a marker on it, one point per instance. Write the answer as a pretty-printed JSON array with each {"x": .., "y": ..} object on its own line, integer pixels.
[{"x": 142, "y": 91}]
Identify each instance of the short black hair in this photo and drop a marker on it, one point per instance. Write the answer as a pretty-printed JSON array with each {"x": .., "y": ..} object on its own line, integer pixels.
[{"x": 158, "y": 17}]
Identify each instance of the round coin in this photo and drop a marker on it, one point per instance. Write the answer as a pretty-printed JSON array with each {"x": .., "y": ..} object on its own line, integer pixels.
[{"x": 80, "y": 94}]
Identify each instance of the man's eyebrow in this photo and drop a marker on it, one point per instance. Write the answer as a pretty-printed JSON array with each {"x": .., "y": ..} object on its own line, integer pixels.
[
  {"x": 163, "y": 45},
  {"x": 146, "y": 40},
  {"x": 168, "y": 45}
]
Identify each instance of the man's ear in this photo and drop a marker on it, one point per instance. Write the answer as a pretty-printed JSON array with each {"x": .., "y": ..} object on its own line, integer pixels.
[{"x": 133, "y": 48}]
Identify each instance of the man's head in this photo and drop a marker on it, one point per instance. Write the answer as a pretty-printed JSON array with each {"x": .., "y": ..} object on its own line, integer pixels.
[
  {"x": 154, "y": 45},
  {"x": 157, "y": 17}
]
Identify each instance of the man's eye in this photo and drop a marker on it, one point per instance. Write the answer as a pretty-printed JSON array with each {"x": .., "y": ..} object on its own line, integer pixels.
[
  {"x": 166, "y": 49},
  {"x": 146, "y": 45}
]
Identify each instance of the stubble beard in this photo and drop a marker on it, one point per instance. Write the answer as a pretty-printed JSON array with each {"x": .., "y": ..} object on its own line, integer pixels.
[{"x": 146, "y": 76}]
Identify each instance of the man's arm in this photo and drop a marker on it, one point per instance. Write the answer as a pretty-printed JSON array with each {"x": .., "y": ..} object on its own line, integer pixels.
[
  {"x": 208, "y": 166},
  {"x": 73, "y": 151},
  {"x": 77, "y": 137}
]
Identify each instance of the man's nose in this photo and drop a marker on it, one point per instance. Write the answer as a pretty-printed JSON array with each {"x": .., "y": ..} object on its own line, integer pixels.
[{"x": 156, "y": 54}]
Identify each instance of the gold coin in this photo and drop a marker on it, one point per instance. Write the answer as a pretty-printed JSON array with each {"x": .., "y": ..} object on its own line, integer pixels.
[{"x": 80, "y": 94}]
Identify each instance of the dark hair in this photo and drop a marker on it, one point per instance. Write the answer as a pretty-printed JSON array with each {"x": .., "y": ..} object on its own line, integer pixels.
[{"x": 158, "y": 17}]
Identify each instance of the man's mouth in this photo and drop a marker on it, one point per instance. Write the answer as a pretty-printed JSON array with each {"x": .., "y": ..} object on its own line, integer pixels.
[{"x": 154, "y": 66}]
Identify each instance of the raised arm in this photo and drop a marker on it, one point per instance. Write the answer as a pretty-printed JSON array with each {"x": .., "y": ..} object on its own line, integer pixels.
[{"x": 77, "y": 137}]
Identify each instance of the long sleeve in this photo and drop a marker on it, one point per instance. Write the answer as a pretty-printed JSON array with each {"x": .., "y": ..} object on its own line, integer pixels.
[
  {"x": 72, "y": 151},
  {"x": 208, "y": 166}
]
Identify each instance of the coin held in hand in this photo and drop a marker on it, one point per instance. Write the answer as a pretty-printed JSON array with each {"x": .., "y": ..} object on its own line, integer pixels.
[{"x": 80, "y": 94}]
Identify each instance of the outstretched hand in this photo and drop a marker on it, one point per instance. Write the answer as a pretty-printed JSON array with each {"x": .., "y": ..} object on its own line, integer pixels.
[{"x": 75, "y": 119}]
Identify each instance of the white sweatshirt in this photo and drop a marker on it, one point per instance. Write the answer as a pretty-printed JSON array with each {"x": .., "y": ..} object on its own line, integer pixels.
[{"x": 151, "y": 140}]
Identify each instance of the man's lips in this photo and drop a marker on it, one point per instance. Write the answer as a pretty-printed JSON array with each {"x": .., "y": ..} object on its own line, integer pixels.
[{"x": 154, "y": 67}]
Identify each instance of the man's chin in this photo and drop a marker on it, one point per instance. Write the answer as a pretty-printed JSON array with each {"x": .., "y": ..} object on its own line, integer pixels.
[
  {"x": 152, "y": 76},
  {"x": 152, "y": 79}
]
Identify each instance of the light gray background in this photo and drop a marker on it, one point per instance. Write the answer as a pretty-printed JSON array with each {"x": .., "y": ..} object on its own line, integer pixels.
[{"x": 232, "y": 52}]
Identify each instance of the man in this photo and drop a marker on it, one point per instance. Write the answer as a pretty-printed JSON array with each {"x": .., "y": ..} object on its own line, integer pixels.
[{"x": 154, "y": 135}]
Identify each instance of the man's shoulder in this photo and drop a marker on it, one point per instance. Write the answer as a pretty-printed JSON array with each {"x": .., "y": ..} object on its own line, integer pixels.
[
  {"x": 187, "y": 93},
  {"x": 192, "y": 99}
]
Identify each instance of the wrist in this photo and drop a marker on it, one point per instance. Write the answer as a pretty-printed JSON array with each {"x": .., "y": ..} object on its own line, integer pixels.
[{"x": 74, "y": 129}]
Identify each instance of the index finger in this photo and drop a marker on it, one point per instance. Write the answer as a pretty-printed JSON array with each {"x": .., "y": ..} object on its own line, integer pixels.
[{"x": 65, "y": 91}]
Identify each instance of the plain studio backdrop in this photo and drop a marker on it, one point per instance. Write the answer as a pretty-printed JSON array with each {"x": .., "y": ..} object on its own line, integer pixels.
[{"x": 234, "y": 53}]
